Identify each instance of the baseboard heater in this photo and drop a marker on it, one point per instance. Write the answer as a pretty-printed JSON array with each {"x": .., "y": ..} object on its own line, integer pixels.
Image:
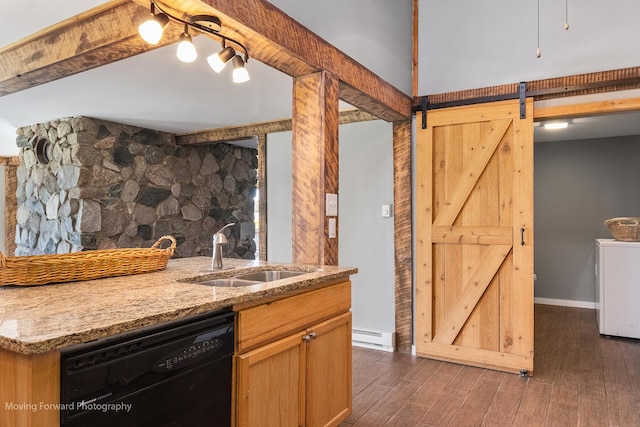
[{"x": 371, "y": 338}]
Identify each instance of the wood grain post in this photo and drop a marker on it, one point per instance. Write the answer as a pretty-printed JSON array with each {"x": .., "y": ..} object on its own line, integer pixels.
[
  {"x": 315, "y": 166},
  {"x": 403, "y": 234},
  {"x": 262, "y": 199},
  {"x": 10, "y": 203}
]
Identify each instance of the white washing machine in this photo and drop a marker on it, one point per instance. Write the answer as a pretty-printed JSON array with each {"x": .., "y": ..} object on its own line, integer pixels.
[{"x": 618, "y": 287}]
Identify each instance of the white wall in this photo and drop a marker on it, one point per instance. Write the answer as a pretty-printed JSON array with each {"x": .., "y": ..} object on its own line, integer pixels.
[
  {"x": 365, "y": 238},
  {"x": 279, "y": 191},
  {"x": 8, "y": 145},
  {"x": 466, "y": 44},
  {"x": 376, "y": 33},
  {"x": 577, "y": 186}
]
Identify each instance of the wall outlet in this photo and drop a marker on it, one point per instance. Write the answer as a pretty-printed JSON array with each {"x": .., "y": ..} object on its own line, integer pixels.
[{"x": 332, "y": 228}]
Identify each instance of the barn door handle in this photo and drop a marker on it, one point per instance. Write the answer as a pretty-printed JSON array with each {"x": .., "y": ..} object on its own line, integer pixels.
[{"x": 522, "y": 236}]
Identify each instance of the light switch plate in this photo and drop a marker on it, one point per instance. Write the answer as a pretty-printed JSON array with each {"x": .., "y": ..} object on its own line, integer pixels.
[
  {"x": 332, "y": 228},
  {"x": 331, "y": 204},
  {"x": 386, "y": 211}
]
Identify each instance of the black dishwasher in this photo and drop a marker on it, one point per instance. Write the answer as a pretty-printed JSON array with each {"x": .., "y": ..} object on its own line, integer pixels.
[{"x": 174, "y": 374}]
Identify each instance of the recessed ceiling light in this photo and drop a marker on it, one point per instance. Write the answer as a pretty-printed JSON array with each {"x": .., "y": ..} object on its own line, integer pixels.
[{"x": 556, "y": 125}]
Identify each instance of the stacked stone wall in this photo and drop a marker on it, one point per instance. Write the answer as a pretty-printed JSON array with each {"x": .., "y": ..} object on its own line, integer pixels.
[{"x": 92, "y": 184}]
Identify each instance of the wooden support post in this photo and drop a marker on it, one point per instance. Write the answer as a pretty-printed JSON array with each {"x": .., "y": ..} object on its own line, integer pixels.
[
  {"x": 10, "y": 203},
  {"x": 262, "y": 200},
  {"x": 402, "y": 197},
  {"x": 315, "y": 167}
]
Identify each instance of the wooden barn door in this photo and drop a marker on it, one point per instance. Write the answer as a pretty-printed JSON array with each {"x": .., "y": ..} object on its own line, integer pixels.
[{"x": 474, "y": 236}]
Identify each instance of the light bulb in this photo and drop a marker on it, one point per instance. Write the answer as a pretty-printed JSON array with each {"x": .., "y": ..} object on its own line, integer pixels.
[
  {"x": 186, "y": 50},
  {"x": 217, "y": 61},
  {"x": 151, "y": 30},
  {"x": 240, "y": 74}
]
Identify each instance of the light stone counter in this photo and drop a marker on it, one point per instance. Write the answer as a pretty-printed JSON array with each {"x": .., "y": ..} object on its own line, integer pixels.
[{"x": 38, "y": 319}]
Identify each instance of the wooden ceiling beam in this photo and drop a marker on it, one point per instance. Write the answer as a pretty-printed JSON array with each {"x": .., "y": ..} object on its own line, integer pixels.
[
  {"x": 97, "y": 37},
  {"x": 235, "y": 133},
  {"x": 108, "y": 33}
]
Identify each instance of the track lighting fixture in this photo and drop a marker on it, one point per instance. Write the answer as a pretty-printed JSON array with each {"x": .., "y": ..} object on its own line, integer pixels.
[{"x": 151, "y": 31}]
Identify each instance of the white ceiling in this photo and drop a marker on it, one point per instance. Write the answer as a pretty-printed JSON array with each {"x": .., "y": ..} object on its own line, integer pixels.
[
  {"x": 619, "y": 124},
  {"x": 155, "y": 90}
]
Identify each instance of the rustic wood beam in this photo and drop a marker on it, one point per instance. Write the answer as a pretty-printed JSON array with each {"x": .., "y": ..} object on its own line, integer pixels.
[
  {"x": 108, "y": 33},
  {"x": 403, "y": 226},
  {"x": 414, "y": 73},
  {"x": 10, "y": 165},
  {"x": 557, "y": 87},
  {"x": 97, "y": 37},
  {"x": 587, "y": 109},
  {"x": 263, "y": 219},
  {"x": 314, "y": 167},
  {"x": 9, "y": 161},
  {"x": 235, "y": 133}
]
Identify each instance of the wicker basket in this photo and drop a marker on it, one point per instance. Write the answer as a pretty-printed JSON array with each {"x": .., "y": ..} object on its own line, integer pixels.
[
  {"x": 624, "y": 229},
  {"x": 87, "y": 265}
]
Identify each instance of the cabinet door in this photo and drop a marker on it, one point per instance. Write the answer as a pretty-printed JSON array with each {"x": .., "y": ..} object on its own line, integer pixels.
[
  {"x": 328, "y": 391},
  {"x": 270, "y": 384}
]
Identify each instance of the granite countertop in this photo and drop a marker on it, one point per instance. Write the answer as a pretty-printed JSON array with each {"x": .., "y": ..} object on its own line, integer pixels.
[{"x": 37, "y": 319}]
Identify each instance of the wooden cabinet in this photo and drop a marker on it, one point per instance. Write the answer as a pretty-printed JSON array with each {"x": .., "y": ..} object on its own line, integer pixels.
[
  {"x": 297, "y": 370},
  {"x": 29, "y": 389}
]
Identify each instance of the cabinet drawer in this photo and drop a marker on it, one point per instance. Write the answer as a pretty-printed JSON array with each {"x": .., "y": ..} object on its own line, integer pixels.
[{"x": 273, "y": 320}]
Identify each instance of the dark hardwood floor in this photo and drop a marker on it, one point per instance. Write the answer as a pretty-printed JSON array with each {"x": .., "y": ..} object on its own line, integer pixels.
[{"x": 580, "y": 379}]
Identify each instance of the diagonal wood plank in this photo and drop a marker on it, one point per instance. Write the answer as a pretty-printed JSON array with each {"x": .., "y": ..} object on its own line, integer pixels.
[
  {"x": 472, "y": 172},
  {"x": 478, "y": 282}
]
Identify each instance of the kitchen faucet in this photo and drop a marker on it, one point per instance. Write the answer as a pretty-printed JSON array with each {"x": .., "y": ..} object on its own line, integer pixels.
[{"x": 219, "y": 240}]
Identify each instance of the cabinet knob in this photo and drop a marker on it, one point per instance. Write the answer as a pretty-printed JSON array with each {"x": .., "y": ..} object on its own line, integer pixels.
[{"x": 310, "y": 336}]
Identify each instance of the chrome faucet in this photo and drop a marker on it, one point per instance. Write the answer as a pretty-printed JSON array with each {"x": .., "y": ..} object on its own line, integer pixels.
[{"x": 219, "y": 240}]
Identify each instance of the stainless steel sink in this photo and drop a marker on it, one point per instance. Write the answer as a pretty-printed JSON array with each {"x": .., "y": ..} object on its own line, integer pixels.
[
  {"x": 269, "y": 275},
  {"x": 231, "y": 282}
]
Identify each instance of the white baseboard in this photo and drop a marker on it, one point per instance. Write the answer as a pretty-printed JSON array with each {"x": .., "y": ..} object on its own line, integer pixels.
[
  {"x": 370, "y": 338},
  {"x": 565, "y": 303}
]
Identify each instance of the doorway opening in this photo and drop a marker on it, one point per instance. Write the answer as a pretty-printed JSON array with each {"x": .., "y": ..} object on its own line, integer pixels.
[{"x": 583, "y": 175}]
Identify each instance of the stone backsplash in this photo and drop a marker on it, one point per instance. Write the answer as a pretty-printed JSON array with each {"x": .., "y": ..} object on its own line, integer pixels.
[{"x": 86, "y": 184}]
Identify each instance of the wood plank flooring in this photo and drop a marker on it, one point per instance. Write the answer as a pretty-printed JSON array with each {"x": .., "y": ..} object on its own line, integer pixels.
[{"x": 580, "y": 379}]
